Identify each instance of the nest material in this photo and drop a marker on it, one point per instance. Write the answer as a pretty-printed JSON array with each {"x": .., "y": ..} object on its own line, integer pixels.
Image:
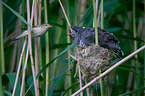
[{"x": 92, "y": 59}]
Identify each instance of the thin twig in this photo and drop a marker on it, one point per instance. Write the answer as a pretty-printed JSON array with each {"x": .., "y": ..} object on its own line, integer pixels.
[
  {"x": 110, "y": 69},
  {"x": 64, "y": 14},
  {"x": 24, "y": 70},
  {"x": 9, "y": 37},
  {"x": 18, "y": 71}
]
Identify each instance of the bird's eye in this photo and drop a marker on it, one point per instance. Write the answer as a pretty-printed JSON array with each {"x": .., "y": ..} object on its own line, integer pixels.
[{"x": 46, "y": 25}]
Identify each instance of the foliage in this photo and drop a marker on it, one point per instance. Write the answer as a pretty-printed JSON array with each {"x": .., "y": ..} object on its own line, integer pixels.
[{"x": 118, "y": 19}]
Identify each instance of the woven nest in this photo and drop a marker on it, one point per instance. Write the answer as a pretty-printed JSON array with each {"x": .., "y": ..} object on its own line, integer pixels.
[{"x": 92, "y": 59}]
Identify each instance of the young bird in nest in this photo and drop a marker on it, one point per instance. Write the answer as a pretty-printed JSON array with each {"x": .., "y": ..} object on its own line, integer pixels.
[{"x": 84, "y": 37}]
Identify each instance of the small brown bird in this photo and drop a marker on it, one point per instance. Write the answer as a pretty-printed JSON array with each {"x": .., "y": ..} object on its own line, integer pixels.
[{"x": 37, "y": 31}]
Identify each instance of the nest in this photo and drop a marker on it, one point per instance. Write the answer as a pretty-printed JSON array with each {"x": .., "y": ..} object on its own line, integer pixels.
[{"x": 92, "y": 59}]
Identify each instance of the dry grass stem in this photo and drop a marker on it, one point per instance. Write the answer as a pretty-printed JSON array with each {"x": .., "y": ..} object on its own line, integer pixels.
[
  {"x": 18, "y": 71},
  {"x": 24, "y": 70},
  {"x": 29, "y": 43},
  {"x": 96, "y": 12},
  {"x": 64, "y": 14}
]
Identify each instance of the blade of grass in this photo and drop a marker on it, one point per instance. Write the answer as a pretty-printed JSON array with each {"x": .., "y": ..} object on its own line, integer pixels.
[
  {"x": 50, "y": 62},
  {"x": 135, "y": 91},
  {"x": 70, "y": 88},
  {"x": 86, "y": 14},
  {"x": 16, "y": 13},
  {"x": 132, "y": 72},
  {"x": 57, "y": 80}
]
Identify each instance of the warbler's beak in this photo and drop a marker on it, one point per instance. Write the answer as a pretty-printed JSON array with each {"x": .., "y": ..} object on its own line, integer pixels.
[{"x": 50, "y": 26}]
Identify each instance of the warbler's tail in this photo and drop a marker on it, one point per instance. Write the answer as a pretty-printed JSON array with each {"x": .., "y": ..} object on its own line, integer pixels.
[
  {"x": 14, "y": 37},
  {"x": 19, "y": 36}
]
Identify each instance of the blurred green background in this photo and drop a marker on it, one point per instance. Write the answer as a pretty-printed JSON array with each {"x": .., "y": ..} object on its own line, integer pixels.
[{"x": 118, "y": 19}]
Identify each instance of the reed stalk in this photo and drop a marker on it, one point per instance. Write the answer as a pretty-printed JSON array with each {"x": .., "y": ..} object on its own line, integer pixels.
[
  {"x": 135, "y": 44},
  {"x": 102, "y": 26},
  {"x": 69, "y": 51},
  {"x": 102, "y": 14},
  {"x": 19, "y": 67},
  {"x": 47, "y": 50},
  {"x": 95, "y": 20},
  {"x": 37, "y": 49},
  {"x": 30, "y": 44},
  {"x": 1, "y": 40},
  {"x": 101, "y": 85},
  {"x": 23, "y": 40},
  {"x": 144, "y": 50},
  {"x": 41, "y": 84},
  {"x": 1, "y": 50},
  {"x": 24, "y": 70}
]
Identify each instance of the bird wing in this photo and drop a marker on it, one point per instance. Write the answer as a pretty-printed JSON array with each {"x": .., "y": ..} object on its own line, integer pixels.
[{"x": 88, "y": 36}]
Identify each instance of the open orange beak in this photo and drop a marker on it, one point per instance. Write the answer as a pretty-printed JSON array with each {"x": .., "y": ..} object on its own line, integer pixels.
[{"x": 70, "y": 33}]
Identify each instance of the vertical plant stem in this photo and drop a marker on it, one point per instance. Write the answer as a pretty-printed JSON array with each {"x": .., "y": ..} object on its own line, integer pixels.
[
  {"x": 1, "y": 40},
  {"x": 37, "y": 49},
  {"x": 135, "y": 44},
  {"x": 101, "y": 85},
  {"x": 1, "y": 50},
  {"x": 39, "y": 46},
  {"x": 96, "y": 4},
  {"x": 19, "y": 67},
  {"x": 64, "y": 13},
  {"x": 102, "y": 26},
  {"x": 30, "y": 45},
  {"x": 69, "y": 51},
  {"x": 102, "y": 14},
  {"x": 23, "y": 58},
  {"x": 144, "y": 69},
  {"x": 47, "y": 50},
  {"x": 95, "y": 20},
  {"x": 144, "y": 50},
  {"x": 24, "y": 70}
]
